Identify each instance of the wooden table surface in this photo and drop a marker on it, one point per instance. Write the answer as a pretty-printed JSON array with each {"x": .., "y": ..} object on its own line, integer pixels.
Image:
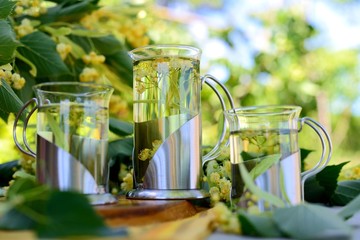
[{"x": 130, "y": 212}]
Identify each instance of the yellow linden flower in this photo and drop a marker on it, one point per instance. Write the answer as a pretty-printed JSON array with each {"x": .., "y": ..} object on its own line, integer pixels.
[
  {"x": 214, "y": 194},
  {"x": 33, "y": 11},
  {"x": 144, "y": 154},
  {"x": 18, "y": 82},
  {"x": 23, "y": 3},
  {"x": 8, "y": 76},
  {"x": 225, "y": 219},
  {"x": 2, "y": 73},
  {"x": 24, "y": 28},
  {"x": 93, "y": 58},
  {"x": 127, "y": 183},
  {"x": 225, "y": 189},
  {"x": 227, "y": 167},
  {"x": 156, "y": 144},
  {"x": 19, "y": 10},
  {"x": 215, "y": 177},
  {"x": 63, "y": 49},
  {"x": 89, "y": 75}
]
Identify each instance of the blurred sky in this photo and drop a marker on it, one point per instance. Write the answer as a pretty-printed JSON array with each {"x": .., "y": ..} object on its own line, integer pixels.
[{"x": 338, "y": 25}]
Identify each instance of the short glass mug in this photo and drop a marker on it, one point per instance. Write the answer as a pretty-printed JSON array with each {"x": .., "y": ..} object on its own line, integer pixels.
[
  {"x": 167, "y": 156},
  {"x": 260, "y": 131},
  {"x": 72, "y": 137}
]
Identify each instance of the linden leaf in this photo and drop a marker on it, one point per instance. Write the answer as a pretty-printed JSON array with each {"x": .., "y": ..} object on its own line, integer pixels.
[
  {"x": 40, "y": 49},
  {"x": 8, "y": 43},
  {"x": 6, "y": 7},
  {"x": 10, "y": 102},
  {"x": 308, "y": 221}
]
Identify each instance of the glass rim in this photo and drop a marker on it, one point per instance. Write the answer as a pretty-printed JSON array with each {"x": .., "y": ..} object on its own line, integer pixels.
[
  {"x": 193, "y": 52},
  {"x": 95, "y": 87},
  {"x": 264, "y": 110}
]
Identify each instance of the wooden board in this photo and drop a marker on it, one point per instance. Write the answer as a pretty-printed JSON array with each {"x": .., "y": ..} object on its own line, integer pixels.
[{"x": 129, "y": 212}]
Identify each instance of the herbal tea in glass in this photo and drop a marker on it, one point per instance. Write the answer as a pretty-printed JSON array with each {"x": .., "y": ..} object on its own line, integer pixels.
[
  {"x": 264, "y": 139},
  {"x": 166, "y": 93},
  {"x": 282, "y": 178},
  {"x": 81, "y": 130}
]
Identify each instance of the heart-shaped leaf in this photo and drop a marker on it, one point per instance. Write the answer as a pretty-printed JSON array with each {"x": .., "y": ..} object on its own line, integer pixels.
[
  {"x": 121, "y": 146},
  {"x": 249, "y": 183},
  {"x": 259, "y": 225},
  {"x": 308, "y": 221},
  {"x": 8, "y": 42},
  {"x": 321, "y": 187},
  {"x": 10, "y": 102},
  {"x": 40, "y": 49},
  {"x": 120, "y": 127},
  {"x": 6, "y": 7},
  {"x": 345, "y": 192}
]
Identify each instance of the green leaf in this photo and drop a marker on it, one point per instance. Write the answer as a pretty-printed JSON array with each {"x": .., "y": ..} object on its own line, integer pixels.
[
  {"x": 350, "y": 209},
  {"x": 40, "y": 49},
  {"x": 68, "y": 11},
  {"x": 320, "y": 188},
  {"x": 259, "y": 225},
  {"x": 262, "y": 165},
  {"x": 8, "y": 42},
  {"x": 306, "y": 221},
  {"x": 107, "y": 45},
  {"x": 10, "y": 102},
  {"x": 304, "y": 153},
  {"x": 121, "y": 146},
  {"x": 249, "y": 183},
  {"x": 345, "y": 192},
  {"x": 121, "y": 64},
  {"x": 27, "y": 200},
  {"x": 6, "y": 7},
  {"x": 20, "y": 186},
  {"x": 7, "y": 171},
  {"x": 73, "y": 219},
  {"x": 50, "y": 213},
  {"x": 120, "y": 128}
]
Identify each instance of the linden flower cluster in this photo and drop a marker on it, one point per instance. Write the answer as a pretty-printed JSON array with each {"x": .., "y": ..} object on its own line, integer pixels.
[
  {"x": 146, "y": 153},
  {"x": 24, "y": 28},
  {"x": 131, "y": 30},
  {"x": 134, "y": 32},
  {"x": 218, "y": 178},
  {"x": 32, "y": 8},
  {"x": 90, "y": 74},
  {"x": 148, "y": 74},
  {"x": 63, "y": 49},
  {"x": 13, "y": 79},
  {"x": 226, "y": 220},
  {"x": 127, "y": 183}
]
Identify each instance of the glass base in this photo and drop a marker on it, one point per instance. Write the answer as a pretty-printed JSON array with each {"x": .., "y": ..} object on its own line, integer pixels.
[
  {"x": 102, "y": 199},
  {"x": 177, "y": 194}
]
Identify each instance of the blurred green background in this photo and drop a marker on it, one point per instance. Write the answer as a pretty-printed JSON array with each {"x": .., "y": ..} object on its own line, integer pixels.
[{"x": 304, "y": 53}]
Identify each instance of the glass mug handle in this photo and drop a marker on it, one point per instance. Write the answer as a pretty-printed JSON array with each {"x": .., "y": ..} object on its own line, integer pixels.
[
  {"x": 215, "y": 152},
  {"x": 321, "y": 164},
  {"x": 28, "y": 151}
]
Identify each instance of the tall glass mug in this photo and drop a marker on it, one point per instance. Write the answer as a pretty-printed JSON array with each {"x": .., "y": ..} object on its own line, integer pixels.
[
  {"x": 261, "y": 131},
  {"x": 72, "y": 137},
  {"x": 167, "y": 156}
]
